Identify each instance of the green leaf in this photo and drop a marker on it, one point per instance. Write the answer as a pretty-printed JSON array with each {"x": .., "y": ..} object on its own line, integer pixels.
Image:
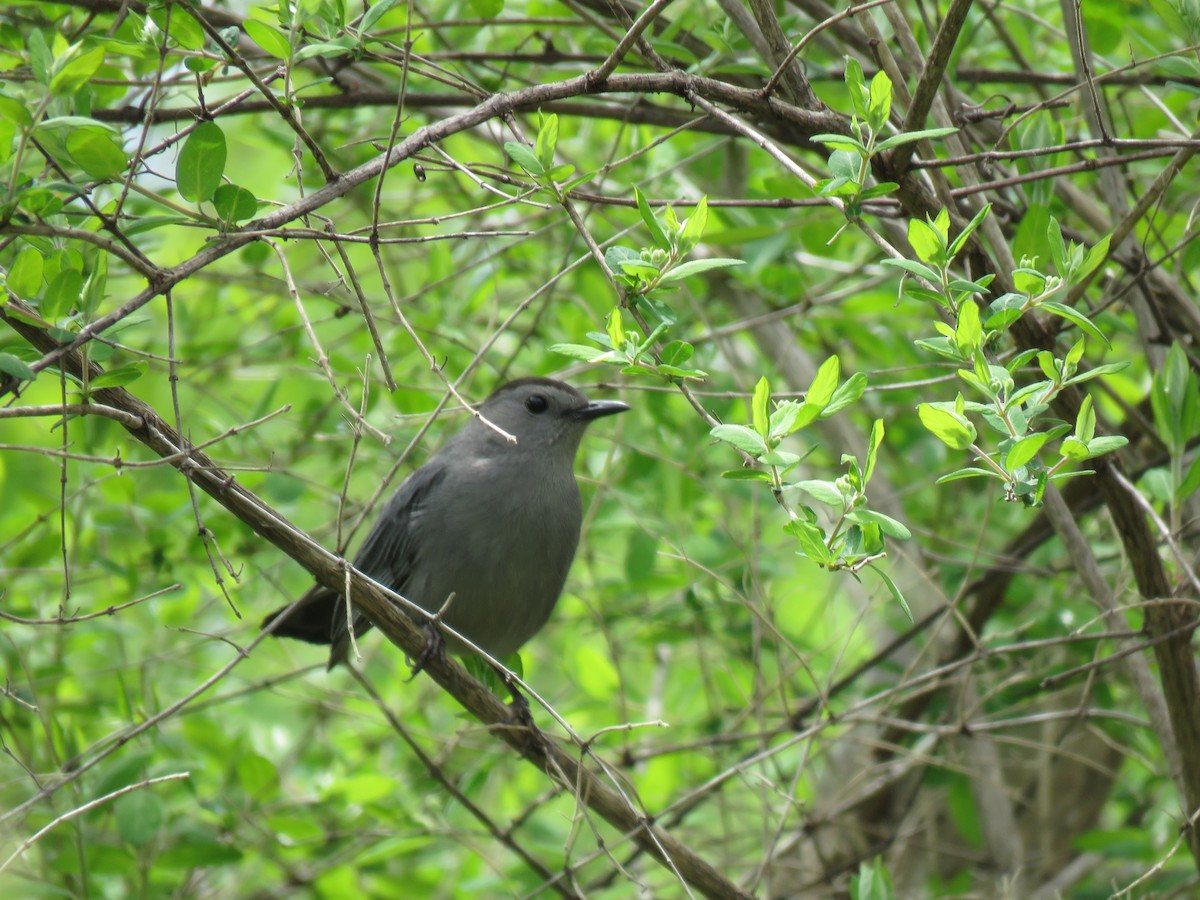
[
  {"x": 62, "y": 295},
  {"x": 783, "y": 419},
  {"x": 824, "y": 383},
  {"x": 952, "y": 429},
  {"x": 841, "y": 142},
  {"x": 812, "y": 540},
  {"x": 272, "y": 40},
  {"x": 139, "y": 816},
  {"x": 201, "y": 162},
  {"x": 825, "y": 491},
  {"x": 119, "y": 376},
  {"x": 677, "y": 353},
  {"x": 899, "y": 598},
  {"x": 693, "y": 229},
  {"x": 760, "y": 408},
  {"x": 746, "y": 475},
  {"x": 745, "y": 439},
  {"x": 1105, "y": 444},
  {"x": 234, "y": 203},
  {"x": 579, "y": 351},
  {"x": 25, "y": 274},
  {"x": 856, "y": 82},
  {"x": 639, "y": 268},
  {"x": 1085, "y": 422},
  {"x": 968, "y": 336},
  {"x": 1095, "y": 256},
  {"x": 872, "y": 449},
  {"x": 258, "y": 776},
  {"x": 677, "y": 372},
  {"x": 97, "y": 151},
  {"x": 977, "y": 220},
  {"x": 913, "y": 268},
  {"x": 11, "y": 365},
  {"x": 615, "y": 326},
  {"x": 970, "y": 472},
  {"x": 74, "y": 69},
  {"x": 879, "y": 104},
  {"x": 696, "y": 266},
  {"x": 1029, "y": 281},
  {"x": 15, "y": 112},
  {"x": 375, "y": 13},
  {"x": 651, "y": 221},
  {"x": 1073, "y": 448},
  {"x": 547, "y": 140},
  {"x": 878, "y": 190},
  {"x": 927, "y": 242},
  {"x": 887, "y": 524},
  {"x": 343, "y": 45},
  {"x": 847, "y": 393},
  {"x": 487, "y": 9},
  {"x": 1187, "y": 487},
  {"x": 524, "y": 157},
  {"x": 1024, "y": 450},
  {"x": 908, "y": 137},
  {"x": 1106, "y": 369},
  {"x": 179, "y": 24},
  {"x": 1075, "y": 317}
]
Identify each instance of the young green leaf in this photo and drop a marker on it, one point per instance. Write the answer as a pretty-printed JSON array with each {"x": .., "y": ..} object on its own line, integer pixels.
[
  {"x": 887, "y": 524},
  {"x": 977, "y": 220},
  {"x": 824, "y": 491},
  {"x": 1094, "y": 257},
  {"x": 824, "y": 383},
  {"x": 872, "y": 449},
  {"x": 547, "y": 140},
  {"x": 693, "y": 228},
  {"x": 914, "y": 268},
  {"x": 928, "y": 243},
  {"x": 879, "y": 106},
  {"x": 119, "y": 376},
  {"x": 1085, "y": 422},
  {"x": 908, "y": 137},
  {"x": 524, "y": 157},
  {"x": 696, "y": 266},
  {"x": 581, "y": 352},
  {"x": 17, "y": 368},
  {"x": 651, "y": 222},
  {"x": 899, "y": 598},
  {"x": 951, "y": 428},
  {"x": 1073, "y": 448},
  {"x": 1024, "y": 450},
  {"x": 841, "y": 142},
  {"x": 745, "y": 439},
  {"x": 760, "y": 408},
  {"x": 1077, "y": 318},
  {"x": 614, "y": 327},
  {"x": 812, "y": 541},
  {"x": 1098, "y": 446},
  {"x": 848, "y": 392},
  {"x": 968, "y": 336},
  {"x": 856, "y": 84}
]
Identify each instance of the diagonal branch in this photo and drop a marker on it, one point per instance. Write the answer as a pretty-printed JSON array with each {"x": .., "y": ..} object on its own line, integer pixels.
[{"x": 387, "y": 616}]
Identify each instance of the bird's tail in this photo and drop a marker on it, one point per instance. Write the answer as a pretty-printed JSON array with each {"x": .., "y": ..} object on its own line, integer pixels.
[{"x": 319, "y": 617}]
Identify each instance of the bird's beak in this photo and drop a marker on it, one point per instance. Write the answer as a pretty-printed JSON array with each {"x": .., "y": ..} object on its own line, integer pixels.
[{"x": 597, "y": 409}]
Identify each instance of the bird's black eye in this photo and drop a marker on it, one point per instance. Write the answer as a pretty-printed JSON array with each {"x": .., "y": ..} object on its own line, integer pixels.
[{"x": 536, "y": 404}]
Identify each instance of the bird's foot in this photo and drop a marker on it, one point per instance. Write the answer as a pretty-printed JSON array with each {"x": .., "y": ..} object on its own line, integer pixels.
[{"x": 434, "y": 649}]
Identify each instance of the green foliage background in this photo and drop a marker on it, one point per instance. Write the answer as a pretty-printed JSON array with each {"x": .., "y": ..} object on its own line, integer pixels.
[{"x": 787, "y": 723}]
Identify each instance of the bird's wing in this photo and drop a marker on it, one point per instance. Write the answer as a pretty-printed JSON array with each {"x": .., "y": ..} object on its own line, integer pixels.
[{"x": 390, "y": 549}]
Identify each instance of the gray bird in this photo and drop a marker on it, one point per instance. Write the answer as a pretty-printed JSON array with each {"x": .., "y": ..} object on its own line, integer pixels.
[{"x": 494, "y": 523}]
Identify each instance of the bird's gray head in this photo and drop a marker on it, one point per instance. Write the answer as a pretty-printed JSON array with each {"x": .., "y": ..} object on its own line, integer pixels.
[{"x": 541, "y": 413}]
